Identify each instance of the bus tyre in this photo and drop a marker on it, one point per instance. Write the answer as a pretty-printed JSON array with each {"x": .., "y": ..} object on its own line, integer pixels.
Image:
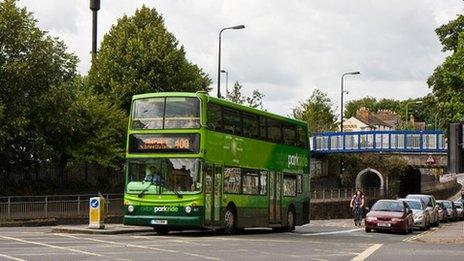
[
  {"x": 290, "y": 221},
  {"x": 161, "y": 230},
  {"x": 229, "y": 221}
]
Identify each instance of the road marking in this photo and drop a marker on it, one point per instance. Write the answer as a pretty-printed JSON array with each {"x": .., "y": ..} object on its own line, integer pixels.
[
  {"x": 333, "y": 232},
  {"x": 413, "y": 238},
  {"x": 366, "y": 253},
  {"x": 12, "y": 258},
  {"x": 52, "y": 246},
  {"x": 141, "y": 246}
]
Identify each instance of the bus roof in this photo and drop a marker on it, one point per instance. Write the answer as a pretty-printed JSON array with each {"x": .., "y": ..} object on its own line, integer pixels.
[{"x": 221, "y": 102}]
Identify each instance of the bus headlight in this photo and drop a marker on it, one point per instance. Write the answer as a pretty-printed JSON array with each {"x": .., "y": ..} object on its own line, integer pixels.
[
  {"x": 188, "y": 209},
  {"x": 130, "y": 208}
]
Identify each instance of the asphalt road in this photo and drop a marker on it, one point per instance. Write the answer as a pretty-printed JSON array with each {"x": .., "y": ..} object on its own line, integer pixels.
[{"x": 320, "y": 240}]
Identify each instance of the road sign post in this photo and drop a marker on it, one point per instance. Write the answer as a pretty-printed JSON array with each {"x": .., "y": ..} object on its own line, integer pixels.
[{"x": 97, "y": 212}]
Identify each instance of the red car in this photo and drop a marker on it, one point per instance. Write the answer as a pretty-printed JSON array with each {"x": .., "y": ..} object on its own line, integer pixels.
[{"x": 390, "y": 215}]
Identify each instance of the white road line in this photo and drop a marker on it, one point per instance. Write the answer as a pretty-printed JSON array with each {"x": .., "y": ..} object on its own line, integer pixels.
[
  {"x": 333, "y": 232},
  {"x": 52, "y": 246},
  {"x": 12, "y": 258},
  {"x": 141, "y": 246},
  {"x": 366, "y": 253}
]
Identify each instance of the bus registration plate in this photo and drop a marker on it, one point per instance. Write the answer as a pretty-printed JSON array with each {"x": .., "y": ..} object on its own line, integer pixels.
[{"x": 159, "y": 222}]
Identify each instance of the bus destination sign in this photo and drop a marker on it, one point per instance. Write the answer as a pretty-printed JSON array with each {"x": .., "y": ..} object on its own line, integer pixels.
[{"x": 146, "y": 143}]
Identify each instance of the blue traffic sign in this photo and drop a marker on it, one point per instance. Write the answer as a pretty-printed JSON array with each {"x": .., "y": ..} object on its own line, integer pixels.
[{"x": 94, "y": 203}]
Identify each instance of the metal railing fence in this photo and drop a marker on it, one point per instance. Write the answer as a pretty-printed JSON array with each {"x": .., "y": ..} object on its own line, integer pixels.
[
  {"x": 55, "y": 206},
  {"x": 328, "y": 194},
  {"x": 376, "y": 141}
]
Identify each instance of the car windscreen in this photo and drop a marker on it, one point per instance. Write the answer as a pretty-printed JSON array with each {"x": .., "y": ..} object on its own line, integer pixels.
[
  {"x": 426, "y": 200},
  {"x": 458, "y": 204},
  {"x": 392, "y": 206},
  {"x": 447, "y": 204},
  {"x": 414, "y": 204}
]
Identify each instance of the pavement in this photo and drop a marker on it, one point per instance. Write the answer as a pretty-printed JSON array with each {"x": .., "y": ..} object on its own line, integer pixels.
[{"x": 320, "y": 240}]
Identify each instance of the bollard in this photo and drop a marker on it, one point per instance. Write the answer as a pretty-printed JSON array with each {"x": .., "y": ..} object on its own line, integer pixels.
[{"x": 97, "y": 212}]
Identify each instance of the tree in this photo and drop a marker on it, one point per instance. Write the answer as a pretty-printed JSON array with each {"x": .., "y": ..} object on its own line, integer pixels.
[
  {"x": 354, "y": 105},
  {"x": 254, "y": 101},
  {"x": 138, "y": 55},
  {"x": 31, "y": 63},
  {"x": 447, "y": 80},
  {"x": 81, "y": 126},
  {"x": 318, "y": 112}
]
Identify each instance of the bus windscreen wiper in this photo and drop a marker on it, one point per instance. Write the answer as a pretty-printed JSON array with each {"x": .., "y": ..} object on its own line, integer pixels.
[
  {"x": 145, "y": 189},
  {"x": 173, "y": 190}
]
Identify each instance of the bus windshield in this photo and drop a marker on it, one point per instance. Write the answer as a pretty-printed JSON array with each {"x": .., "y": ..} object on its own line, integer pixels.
[
  {"x": 163, "y": 176},
  {"x": 166, "y": 113}
]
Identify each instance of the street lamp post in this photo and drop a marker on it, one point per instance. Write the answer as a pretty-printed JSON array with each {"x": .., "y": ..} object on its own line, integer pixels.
[
  {"x": 227, "y": 80},
  {"x": 407, "y": 110},
  {"x": 94, "y": 6},
  {"x": 219, "y": 56},
  {"x": 341, "y": 102}
]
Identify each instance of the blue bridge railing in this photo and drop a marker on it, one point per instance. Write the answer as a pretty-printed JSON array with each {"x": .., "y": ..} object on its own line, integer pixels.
[{"x": 379, "y": 141}]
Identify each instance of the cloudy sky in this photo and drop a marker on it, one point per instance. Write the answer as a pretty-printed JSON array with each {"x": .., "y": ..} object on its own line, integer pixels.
[{"x": 289, "y": 47}]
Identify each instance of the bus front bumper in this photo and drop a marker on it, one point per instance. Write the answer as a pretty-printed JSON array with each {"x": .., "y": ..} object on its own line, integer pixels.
[{"x": 164, "y": 221}]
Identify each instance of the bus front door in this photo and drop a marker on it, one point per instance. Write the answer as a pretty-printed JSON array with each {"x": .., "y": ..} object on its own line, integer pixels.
[
  {"x": 213, "y": 195},
  {"x": 274, "y": 197}
]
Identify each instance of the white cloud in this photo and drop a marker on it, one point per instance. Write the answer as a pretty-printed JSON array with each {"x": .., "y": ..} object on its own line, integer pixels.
[{"x": 288, "y": 48}]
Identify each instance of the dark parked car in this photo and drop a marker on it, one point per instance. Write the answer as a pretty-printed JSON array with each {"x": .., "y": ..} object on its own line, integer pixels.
[
  {"x": 442, "y": 212},
  {"x": 390, "y": 215},
  {"x": 450, "y": 209},
  {"x": 459, "y": 209}
]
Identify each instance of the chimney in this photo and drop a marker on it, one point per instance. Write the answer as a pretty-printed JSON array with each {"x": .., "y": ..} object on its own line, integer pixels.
[{"x": 362, "y": 114}]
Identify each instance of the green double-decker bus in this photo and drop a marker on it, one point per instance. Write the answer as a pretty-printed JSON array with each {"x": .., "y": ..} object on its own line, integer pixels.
[{"x": 194, "y": 161}]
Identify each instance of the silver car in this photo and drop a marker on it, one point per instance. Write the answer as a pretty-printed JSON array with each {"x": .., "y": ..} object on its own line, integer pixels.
[
  {"x": 420, "y": 213},
  {"x": 431, "y": 204},
  {"x": 450, "y": 209},
  {"x": 459, "y": 209}
]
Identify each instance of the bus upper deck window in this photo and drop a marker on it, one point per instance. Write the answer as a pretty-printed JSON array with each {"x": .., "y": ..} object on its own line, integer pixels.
[{"x": 182, "y": 113}]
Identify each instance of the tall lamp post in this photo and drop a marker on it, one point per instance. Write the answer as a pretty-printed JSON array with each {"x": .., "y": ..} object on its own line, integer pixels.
[
  {"x": 227, "y": 80},
  {"x": 407, "y": 110},
  {"x": 342, "y": 92},
  {"x": 219, "y": 56},
  {"x": 94, "y": 6}
]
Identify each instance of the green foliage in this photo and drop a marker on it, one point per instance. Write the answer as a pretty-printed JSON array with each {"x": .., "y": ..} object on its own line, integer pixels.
[
  {"x": 423, "y": 109},
  {"x": 449, "y": 33},
  {"x": 49, "y": 115},
  {"x": 81, "y": 126},
  {"x": 447, "y": 81},
  {"x": 138, "y": 55},
  {"x": 318, "y": 112},
  {"x": 254, "y": 101},
  {"x": 31, "y": 63}
]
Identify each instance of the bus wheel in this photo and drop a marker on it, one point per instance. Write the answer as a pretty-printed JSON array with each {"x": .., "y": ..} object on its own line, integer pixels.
[
  {"x": 290, "y": 221},
  {"x": 161, "y": 230},
  {"x": 229, "y": 221}
]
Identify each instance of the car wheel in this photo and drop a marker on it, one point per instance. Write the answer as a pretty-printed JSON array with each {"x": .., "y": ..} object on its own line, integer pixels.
[
  {"x": 229, "y": 221},
  {"x": 368, "y": 230}
]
